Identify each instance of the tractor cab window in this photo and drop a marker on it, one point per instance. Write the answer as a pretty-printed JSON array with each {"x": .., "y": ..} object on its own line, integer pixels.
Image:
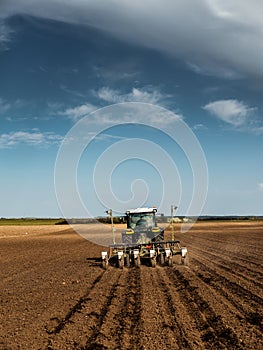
[{"x": 141, "y": 220}]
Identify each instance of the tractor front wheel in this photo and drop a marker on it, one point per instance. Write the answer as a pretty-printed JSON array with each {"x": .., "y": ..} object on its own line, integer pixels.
[{"x": 153, "y": 262}]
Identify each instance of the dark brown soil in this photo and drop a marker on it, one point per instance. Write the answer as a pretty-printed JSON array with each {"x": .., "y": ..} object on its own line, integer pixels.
[{"x": 55, "y": 295}]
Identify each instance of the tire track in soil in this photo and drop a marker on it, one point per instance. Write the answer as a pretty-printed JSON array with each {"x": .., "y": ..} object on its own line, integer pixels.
[
  {"x": 231, "y": 256},
  {"x": 77, "y": 315},
  {"x": 122, "y": 307},
  {"x": 238, "y": 290},
  {"x": 236, "y": 243},
  {"x": 161, "y": 327},
  {"x": 129, "y": 318},
  {"x": 214, "y": 333},
  {"x": 76, "y": 308},
  {"x": 92, "y": 340},
  {"x": 239, "y": 297},
  {"x": 222, "y": 264},
  {"x": 228, "y": 249},
  {"x": 255, "y": 272},
  {"x": 178, "y": 326},
  {"x": 254, "y": 318},
  {"x": 28, "y": 269},
  {"x": 231, "y": 253},
  {"x": 255, "y": 262},
  {"x": 121, "y": 326}
]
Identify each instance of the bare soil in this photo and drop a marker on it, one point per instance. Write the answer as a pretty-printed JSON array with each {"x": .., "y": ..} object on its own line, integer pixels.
[{"x": 55, "y": 295}]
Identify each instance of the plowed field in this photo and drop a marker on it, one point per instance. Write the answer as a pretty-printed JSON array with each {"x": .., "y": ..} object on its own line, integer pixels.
[{"x": 55, "y": 295}]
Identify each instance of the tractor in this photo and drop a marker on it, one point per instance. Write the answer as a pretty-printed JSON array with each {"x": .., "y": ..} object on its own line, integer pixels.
[{"x": 143, "y": 240}]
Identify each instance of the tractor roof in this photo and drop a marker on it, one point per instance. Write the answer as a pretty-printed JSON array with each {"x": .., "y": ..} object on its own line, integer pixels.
[{"x": 141, "y": 210}]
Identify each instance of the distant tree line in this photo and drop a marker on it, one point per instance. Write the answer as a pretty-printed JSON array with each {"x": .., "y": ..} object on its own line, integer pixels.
[{"x": 121, "y": 219}]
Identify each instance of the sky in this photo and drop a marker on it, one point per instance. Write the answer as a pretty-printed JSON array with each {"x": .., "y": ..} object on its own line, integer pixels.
[{"x": 119, "y": 104}]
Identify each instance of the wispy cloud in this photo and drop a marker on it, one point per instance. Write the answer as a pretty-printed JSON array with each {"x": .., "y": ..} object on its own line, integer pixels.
[
  {"x": 131, "y": 112},
  {"x": 213, "y": 35},
  {"x": 5, "y": 35},
  {"x": 136, "y": 95},
  {"x": 106, "y": 96},
  {"x": 199, "y": 127},
  {"x": 54, "y": 107},
  {"x": 116, "y": 72},
  {"x": 30, "y": 138},
  {"x": 71, "y": 92},
  {"x": 214, "y": 68},
  {"x": 233, "y": 112},
  {"x": 260, "y": 185},
  {"x": 104, "y": 137},
  {"x": 78, "y": 111},
  {"x": 4, "y": 106}
]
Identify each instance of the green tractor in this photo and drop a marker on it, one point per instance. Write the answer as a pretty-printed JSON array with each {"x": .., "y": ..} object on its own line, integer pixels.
[{"x": 143, "y": 240}]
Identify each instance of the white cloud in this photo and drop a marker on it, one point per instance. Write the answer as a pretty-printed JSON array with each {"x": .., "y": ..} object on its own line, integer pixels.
[
  {"x": 199, "y": 127},
  {"x": 132, "y": 112},
  {"x": 5, "y": 35},
  {"x": 32, "y": 138},
  {"x": 234, "y": 112},
  {"x": 111, "y": 96},
  {"x": 260, "y": 185},
  {"x": 79, "y": 111},
  {"x": 136, "y": 95},
  {"x": 215, "y": 36}
]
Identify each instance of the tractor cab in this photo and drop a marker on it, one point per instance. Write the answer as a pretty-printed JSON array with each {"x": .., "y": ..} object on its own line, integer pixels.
[
  {"x": 137, "y": 220},
  {"x": 141, "y": 226}
]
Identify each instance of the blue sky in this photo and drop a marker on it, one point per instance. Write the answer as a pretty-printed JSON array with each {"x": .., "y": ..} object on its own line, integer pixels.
[{"x": 60, "y": 62}]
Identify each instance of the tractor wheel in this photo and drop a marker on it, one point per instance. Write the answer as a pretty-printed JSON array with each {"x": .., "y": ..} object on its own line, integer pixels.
[
  {"x": 137, "y": 262},
  {"x": 121, "y": 263},
  {"x": 170, "y": 261},
  {"x": 105, "y": 264},
  {"x": 128, "y": 259},
  {"x": 178, "y": 259},
  {"x": 153, "y": 262},
  {"x": 162, "y": 262},
  {"x": 185, "y": 261}
]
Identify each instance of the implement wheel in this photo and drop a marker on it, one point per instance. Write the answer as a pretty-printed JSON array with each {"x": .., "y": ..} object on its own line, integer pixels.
[
  {"x": 128, "y": 259},
  {"x": 162, "y": 260},
  {"x": 137, "y": 262},
  {"x": 185, "y": 261},
  {"x": 153, "y": 262},
  {"x": 105, "y": 264},
  {"x": 121, "y": 262}
]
